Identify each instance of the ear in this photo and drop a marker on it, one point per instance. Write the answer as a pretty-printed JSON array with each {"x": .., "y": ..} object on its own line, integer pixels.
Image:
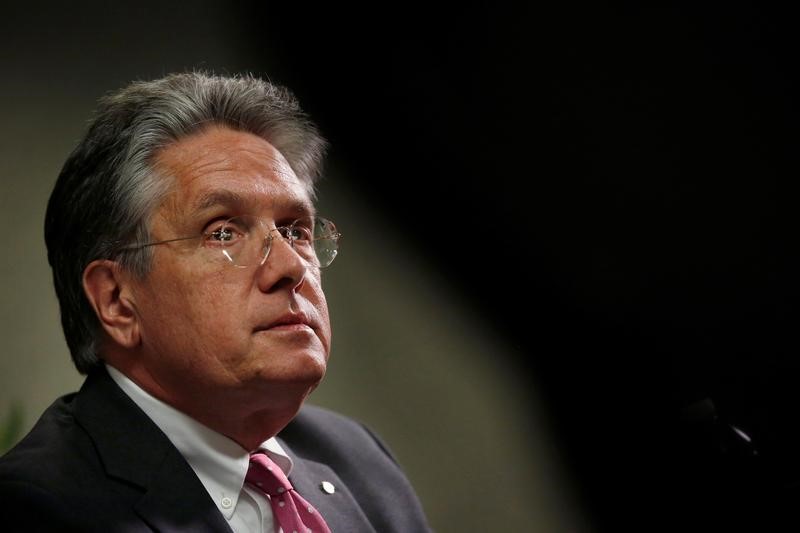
[{"x": 107, "y": 288}]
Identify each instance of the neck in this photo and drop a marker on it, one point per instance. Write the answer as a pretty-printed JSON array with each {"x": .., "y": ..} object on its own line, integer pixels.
[
  {"x": 247, "y": 417},
  {"x": 249, "y": 429}
]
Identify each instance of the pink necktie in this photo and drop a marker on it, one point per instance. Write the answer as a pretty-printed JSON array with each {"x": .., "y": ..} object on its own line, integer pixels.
[{"x": 292, "y": 512}]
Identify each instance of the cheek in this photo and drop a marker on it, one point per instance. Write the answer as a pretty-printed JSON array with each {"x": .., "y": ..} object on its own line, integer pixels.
[
  {"x": 317, "y": 299},
  {"x": 212, "y": 294},
  {"x": 193, "y": 307}
]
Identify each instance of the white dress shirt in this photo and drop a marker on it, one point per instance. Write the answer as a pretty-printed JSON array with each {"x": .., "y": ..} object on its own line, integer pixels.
[{"x": 219, "y": 462}]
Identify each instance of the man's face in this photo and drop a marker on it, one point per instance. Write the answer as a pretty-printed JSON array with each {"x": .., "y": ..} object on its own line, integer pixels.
[{"x": 216, "y": 335}]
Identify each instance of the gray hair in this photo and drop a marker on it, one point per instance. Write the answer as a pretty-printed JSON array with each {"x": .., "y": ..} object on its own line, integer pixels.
[{"x": 108, "y": 188}]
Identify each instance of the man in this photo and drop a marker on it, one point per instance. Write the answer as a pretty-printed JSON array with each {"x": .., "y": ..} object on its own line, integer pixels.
[{"x": 186, "y": 256}]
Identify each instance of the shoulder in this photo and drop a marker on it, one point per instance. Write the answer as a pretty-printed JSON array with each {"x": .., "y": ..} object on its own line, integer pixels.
[
  {"x": 53, "y": 441},
  {"x": 316, "y": 424},
  {"x": 326, "y": 436},
  {"x": 40, "y": 473},
  {"x": 57, "y": 450}
]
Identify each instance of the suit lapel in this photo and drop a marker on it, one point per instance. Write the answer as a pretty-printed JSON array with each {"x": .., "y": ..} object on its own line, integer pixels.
[
  {"x": 340, "y": 510},
  {"x": 134, "y": 450},
  {"x": 177, "y": 501}
]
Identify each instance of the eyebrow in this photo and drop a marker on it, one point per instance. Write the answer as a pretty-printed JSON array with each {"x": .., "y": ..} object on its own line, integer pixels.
[
  {"x": 223, "y": 197},
  {"x": 220, "y": 197}
]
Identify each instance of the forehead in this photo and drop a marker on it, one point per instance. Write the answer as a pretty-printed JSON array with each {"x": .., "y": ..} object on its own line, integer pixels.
[{"x": 220, "y": 165}]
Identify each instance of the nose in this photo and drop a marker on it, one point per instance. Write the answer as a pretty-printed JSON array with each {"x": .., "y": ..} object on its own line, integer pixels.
[{"x": 283, "y": 268}]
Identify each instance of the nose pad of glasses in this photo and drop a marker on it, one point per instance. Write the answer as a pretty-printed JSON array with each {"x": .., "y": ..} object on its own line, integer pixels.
[{"x": 266, "y": 246}]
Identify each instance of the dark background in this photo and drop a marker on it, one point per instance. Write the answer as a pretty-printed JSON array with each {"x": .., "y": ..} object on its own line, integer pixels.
[{"x": 611, "y": 186}]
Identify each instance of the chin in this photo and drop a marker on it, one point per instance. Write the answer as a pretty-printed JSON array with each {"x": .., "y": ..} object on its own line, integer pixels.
[
  {"x": 313, "y": 372},
  {"x": 300, "y": 368}
]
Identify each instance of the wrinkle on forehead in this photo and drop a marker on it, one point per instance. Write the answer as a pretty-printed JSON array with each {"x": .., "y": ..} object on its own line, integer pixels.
[
  {"x": 220, "y": 166},
  {"x": 221, "y": 149},
  {"x": 196, "y": 163}
]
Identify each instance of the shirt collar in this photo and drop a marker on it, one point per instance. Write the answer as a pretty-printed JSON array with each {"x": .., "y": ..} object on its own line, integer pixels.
[{"x": 219, "y": 462}]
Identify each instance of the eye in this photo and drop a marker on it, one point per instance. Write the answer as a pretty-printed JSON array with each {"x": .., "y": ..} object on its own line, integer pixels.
[
  {"x": 227, "y": 232},
  {"x": 300, "y": 233},
  {"x": 222, "y": 234}
]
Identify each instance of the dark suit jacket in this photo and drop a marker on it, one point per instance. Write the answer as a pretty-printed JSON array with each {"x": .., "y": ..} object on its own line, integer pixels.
[{"x": 96, "y": 462}]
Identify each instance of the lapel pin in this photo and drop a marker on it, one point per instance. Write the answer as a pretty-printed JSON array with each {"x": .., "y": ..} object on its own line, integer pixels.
[{"x": 327, "y": 487}]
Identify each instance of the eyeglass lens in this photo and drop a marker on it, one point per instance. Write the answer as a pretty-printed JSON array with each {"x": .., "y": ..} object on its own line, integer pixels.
[{"x": 246, "y": 240}]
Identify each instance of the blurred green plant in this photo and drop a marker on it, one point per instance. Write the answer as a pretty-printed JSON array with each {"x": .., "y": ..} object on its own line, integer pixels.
[{"x": 11, "y": 427}]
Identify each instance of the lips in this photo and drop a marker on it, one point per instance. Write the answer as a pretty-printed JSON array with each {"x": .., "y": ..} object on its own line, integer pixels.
[{"x": 288, "y": 321}]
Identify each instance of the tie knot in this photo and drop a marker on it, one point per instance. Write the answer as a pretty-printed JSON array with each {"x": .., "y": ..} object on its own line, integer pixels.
[
  {"x": 292, "y": 512},
  {"x": 266, "y": 475}
]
